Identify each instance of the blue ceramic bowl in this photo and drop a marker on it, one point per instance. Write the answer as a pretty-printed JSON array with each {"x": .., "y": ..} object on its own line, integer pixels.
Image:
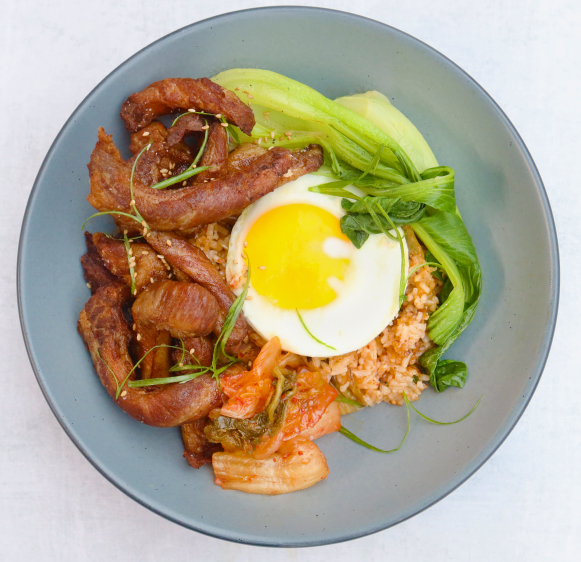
[{"x": 502, "y": 200}]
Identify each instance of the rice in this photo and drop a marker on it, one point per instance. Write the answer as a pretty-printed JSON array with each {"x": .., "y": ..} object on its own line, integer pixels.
[
  {"x": 387, "y": 366},
  {"x": 213, "y": 240}
]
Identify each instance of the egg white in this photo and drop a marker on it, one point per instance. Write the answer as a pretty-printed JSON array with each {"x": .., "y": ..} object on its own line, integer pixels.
[{"x": 367, "y": 299}]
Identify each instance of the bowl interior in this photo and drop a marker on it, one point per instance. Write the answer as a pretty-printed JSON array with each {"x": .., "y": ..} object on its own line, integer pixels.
[{"x": 502, "y": 202}]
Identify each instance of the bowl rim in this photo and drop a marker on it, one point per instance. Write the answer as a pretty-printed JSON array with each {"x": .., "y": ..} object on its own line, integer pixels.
[{"x": 543, "y": 351}]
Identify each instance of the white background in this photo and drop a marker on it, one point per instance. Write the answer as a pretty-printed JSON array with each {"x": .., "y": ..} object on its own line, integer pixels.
[{"x": 524, "y": 504}]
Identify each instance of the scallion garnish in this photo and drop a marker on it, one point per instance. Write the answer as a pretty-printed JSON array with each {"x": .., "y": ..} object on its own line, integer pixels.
[
  {"x": 130, "y": 263},
  {"x": 344, "y": 431},
  {"x": 310, "y": 333},
  {"x": 408, "y": 405},
  {"x": 180, "y": 177},
  {"x": 437, "y": 422},
  {"x": 130, "y": 384},
  {"x": 202, "y": 148},
  {"x": 165, "y": 380},
  {"x": 229, "y": 323},
  {"x": 346, "y": 400}
]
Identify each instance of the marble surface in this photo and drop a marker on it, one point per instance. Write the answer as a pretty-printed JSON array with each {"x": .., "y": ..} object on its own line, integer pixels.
[{"x": 522, "y": 505}]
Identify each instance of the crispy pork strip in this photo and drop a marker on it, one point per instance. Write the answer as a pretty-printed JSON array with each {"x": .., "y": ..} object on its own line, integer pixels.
[
  {"x": 147, "y": 265},
  {"x": 184, "y": 126},
  {"x": 304, "y": 161},
  {"x": 106, "y": 335},
  {"x": 198, "y": 450},
  {"x": 185, "y": 310},
  {"x": 185, "y": 208},
  {"x": 200, "y": 352},
  {"x": 190, "y": 259},
  {"x": 173, "y": 94},
  {"x": 204, "y": 203},
  {"x": 175, "y": 158},
  {"x": 96, "y": 273},
  {"x": 157, "y": 363}
]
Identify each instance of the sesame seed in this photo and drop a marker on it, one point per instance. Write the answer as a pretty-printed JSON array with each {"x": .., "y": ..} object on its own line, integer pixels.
[
  {"x": 205, "y": 127},
  {"x": 270, "y": 147},
  {"x": 250, "y": 363},
  {"x": 192, "y": 110},
  {"x": 271, "y": 134},
  {"x": 218, "y": 115},
  {"x": 288, "y": 174},
  {"x": 266, "y": 114},
  {"x": 168, "y": 242},
  {"x": 138, "y": 337},
  {"x": 237, "y": 88},
  {"x": 235, "y": 262},
  {"x": 249, "y": 103},
  {"x": 123, "y": 394},
  {"x": 135, "y": 292},
  {"x": 132, "y": 202},
  {"x": 289, "y": 134},
  {"x": 261, "y": 267},
  {"x": 265, "y": 139},
  {"x": 250, "y": 96},
  {"x": 143, "y": 223},
  {"x": 181, "y": 364},
  {"x": 151, "y": 280},
  {"x": 146, "y": 134},
  {"x": 185, "y": 183},
  {"x": 144, "y": 253},
  {"x": 160, "y": 257},
  {"x": 249, "y": 298},
  {"x": 169, "y": 276},
  {"x": 89, "y": 285},
  {"x": 145, "y": 233},
  {"x": 171, "y": 165},
  {"x": 259, "y": 140},
  {"x": 205, "y": 181},
  {"x": 164, "y": 171},
  {"x": 124, "y": 232},
  {"x": 130, "y": 251},
  {"x": 167, "y": 267},
  {"x": 245, "y": 244},
  {"x": 134, "y": 327},
  {"x": 224, "y": 124}
]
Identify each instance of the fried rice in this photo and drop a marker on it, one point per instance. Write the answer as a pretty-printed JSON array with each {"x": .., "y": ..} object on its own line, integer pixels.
[{"x": 387, "y": 366}]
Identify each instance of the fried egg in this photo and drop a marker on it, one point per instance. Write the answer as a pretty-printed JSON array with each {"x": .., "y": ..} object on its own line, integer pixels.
[{"x": 302, "y": 264}]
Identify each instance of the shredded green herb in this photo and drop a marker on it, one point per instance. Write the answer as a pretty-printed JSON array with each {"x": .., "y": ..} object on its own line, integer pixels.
[
  {"x": 227, "y": 327},
  {"x": 130, "y": 262},
  {"x": 311, "y": 334},
  {"x": 346, "y": 400},
  {"x": 344, "y": 431},
  {"x": 180, "y": 177},
  {"x": 202, "y": 148},
  {"x": 407, "y": 401},
  {"x": 143, "y": 382}
]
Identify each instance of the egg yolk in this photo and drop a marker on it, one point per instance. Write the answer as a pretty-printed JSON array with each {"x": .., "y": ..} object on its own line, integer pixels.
[{"x": 289, "y": 264}]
